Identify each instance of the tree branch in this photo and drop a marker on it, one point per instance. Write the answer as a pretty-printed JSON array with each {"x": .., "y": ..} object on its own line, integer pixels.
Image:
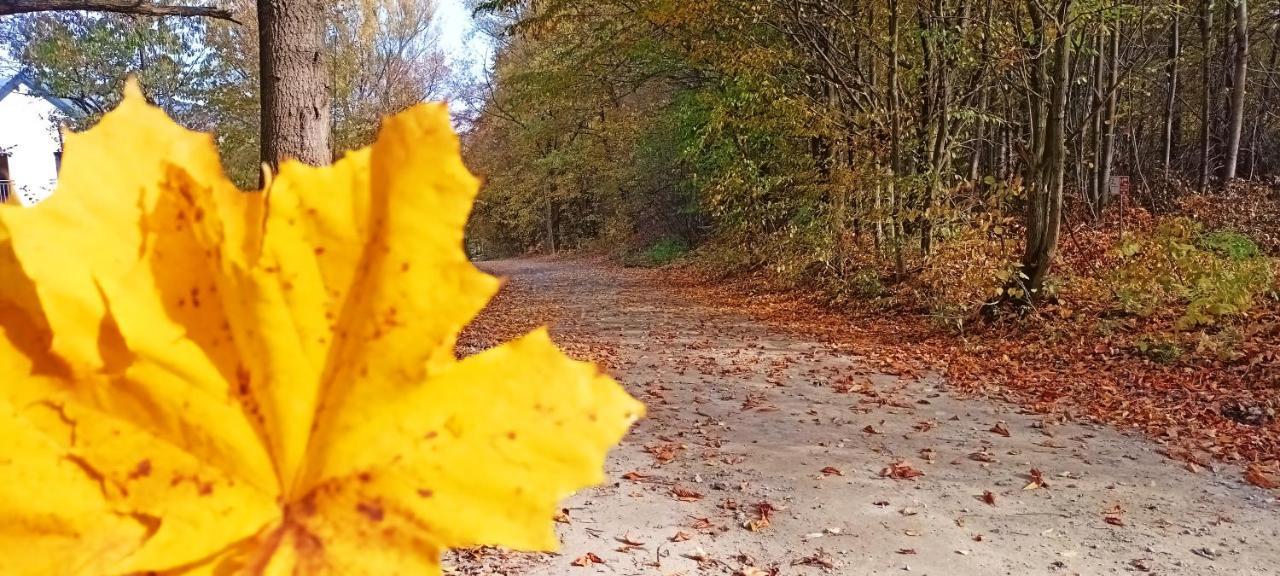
[{"x": 140, "y": 7}]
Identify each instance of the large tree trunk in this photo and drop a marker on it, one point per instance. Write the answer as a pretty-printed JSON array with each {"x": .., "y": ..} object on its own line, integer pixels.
[
  {"x": 296, "y": 107},
  {"x": 1238, "y": 79}
]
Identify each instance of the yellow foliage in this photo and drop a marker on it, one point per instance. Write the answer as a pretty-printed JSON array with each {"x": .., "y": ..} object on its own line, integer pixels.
[{"x": 194, "y": 380}]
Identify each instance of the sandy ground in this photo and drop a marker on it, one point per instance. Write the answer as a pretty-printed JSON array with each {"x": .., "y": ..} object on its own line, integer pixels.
[{"x": 768, "y": 454}]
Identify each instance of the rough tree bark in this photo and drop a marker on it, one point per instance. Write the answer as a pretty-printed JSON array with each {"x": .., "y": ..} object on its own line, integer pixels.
[
  {"x": 1107, "y": 154},
  {"x": 1171, "y": 95},
  {"x": 895, "y": 137},
  {"x": 1238, "y": 80},
  {"x": 1045, "y": 192},
  {"x": 139, "y": 7},
  {"x": 296, "y": 106},
  {"x": 1206, "y": 103}
]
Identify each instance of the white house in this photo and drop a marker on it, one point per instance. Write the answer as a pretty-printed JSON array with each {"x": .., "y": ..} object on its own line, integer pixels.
[{"x": 30, "y": 140}]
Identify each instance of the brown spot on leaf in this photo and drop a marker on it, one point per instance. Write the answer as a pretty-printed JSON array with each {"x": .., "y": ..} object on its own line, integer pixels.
[
  {"x": 142, "y": 470},
  {"x": 371, "y": 511}
]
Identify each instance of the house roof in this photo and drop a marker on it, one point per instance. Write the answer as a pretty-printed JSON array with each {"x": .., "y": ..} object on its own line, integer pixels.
[{"x": 23, "y": 78}]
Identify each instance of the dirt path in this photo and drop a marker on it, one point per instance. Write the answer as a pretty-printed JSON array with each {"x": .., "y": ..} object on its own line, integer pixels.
[{"x": 747, "y": 424}]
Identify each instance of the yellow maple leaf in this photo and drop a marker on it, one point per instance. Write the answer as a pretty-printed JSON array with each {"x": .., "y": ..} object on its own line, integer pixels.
[{"x": 194, "y": 380}]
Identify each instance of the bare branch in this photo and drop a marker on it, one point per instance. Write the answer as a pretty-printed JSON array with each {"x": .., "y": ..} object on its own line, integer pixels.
[{"x": 140, "y": 7}]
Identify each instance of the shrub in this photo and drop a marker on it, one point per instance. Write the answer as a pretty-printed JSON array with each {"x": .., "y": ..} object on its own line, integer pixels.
[
  {"x": 1229, "y": 243},
  {"x": 661, "y": 253},
  {"x": 866, "y": 283},
  {"x": 964, "y": 273},
  {"x": 1159, "y": 349},
  {"x": 1207, "y": 276}
]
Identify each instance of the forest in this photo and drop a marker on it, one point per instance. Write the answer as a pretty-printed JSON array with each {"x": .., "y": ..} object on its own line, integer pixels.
[{"x": 971, "y": 153}]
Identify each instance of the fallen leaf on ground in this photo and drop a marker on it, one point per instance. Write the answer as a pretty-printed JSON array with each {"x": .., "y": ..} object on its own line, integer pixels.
[
  {"x": 989, "y": 497},
  {"x": 664, "y": 453},
  {"x": 1037, "y": 480},
  {"x": 982, "y": 457},
  {"x": 629, "y": 540},
  {"x": 702, "y": 524},
  {"x": 686, "y": 494},
  {"x": 1256, "y": 476},
  {"x": 587, "y": 559},
  {"x": 820, "y": 559},
  {"x": 901, "y": 471},
  {"x": 1001, "y": 429},
  {"x": 832, "y": 471},
  {"x": 762, "y": 520}
]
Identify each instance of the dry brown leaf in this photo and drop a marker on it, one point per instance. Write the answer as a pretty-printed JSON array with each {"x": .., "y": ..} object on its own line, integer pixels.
[
  {"x": 686, "y": 494},
  {"x": 1037, "y": 480},
  {"x": 1258, "y": 477},
  {"x": 587, "y": 559},
  {"x": 900, "y": 470}
]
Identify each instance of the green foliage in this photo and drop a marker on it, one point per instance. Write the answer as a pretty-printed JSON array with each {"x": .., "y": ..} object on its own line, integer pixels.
[
  {"x": 1159, "y": 349},
  {"x": 1209, "y": 276},
  {"x": 1230, "y": 244},
  {"x": 661, "y": 253},
  {"x": 866, "y": 283}
]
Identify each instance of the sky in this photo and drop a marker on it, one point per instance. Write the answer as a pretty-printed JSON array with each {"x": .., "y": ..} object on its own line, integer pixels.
[{"x": 458, "y": 37}]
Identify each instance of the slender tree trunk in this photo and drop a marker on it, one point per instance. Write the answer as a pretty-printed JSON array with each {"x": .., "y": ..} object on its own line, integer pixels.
[
  {"x": 1171, "y": 91},
  {"x": 1107, "y": 154},
  {"x": 895, "y": 138},
  {"x": 1238, "y": 87},
  {"x": 930, "y": 123},
  {"x": 1099, "y": 88},
  {"x": 1206, "y": 78},
  {"x": 296, "y": 107},
  {"x": 551, "y": 219},
  {"x": 1044, "y": 202}
]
